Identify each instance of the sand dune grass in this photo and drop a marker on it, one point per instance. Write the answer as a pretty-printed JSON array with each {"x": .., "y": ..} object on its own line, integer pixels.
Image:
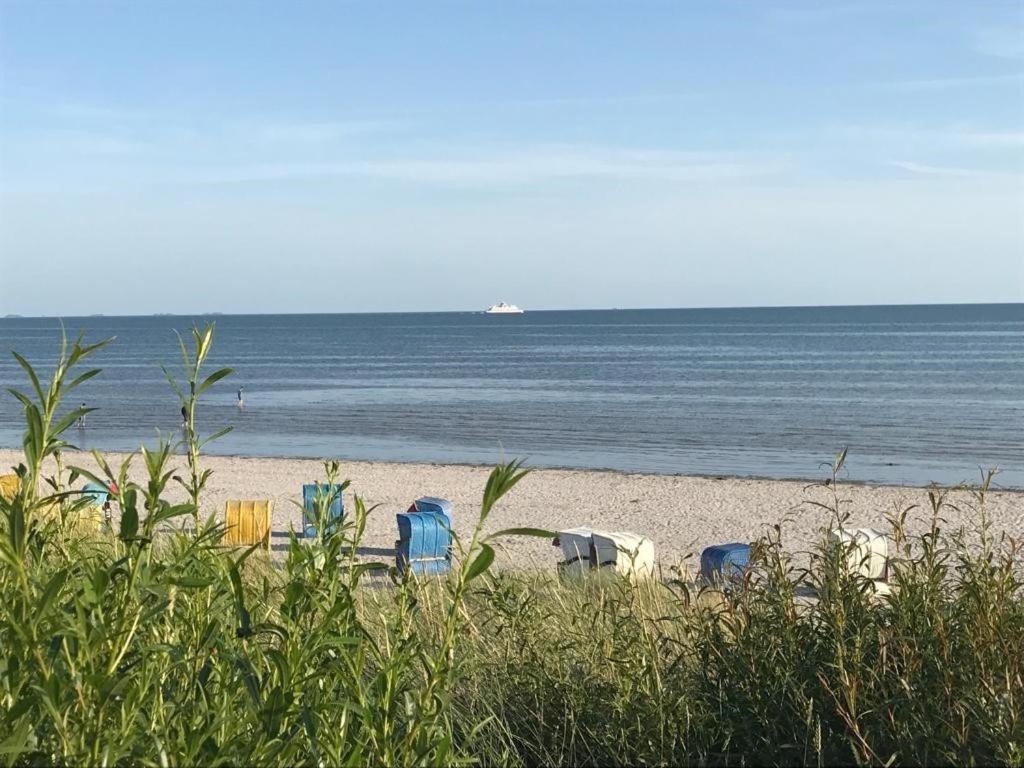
[{"x": 147, "y": 646}]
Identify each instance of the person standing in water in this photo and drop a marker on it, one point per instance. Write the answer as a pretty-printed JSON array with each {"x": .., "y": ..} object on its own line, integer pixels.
[
  {"x": 241, "y": 402},
  {"x": 184, "y": 417},
  {"x": 81, "y": 419}
]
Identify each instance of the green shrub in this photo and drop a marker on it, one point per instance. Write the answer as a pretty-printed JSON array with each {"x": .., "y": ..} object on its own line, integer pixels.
[{"x": 155, "y": 644}]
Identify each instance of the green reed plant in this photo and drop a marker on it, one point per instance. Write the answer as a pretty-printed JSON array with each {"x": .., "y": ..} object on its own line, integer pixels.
[
  {"x": 154, "y": 647},
  {"x": 324, "y": 497},
  {"x": 44, "y": 430},
  {"x": 188, "y": 393},
  {"x": 149, "y": 646},
  {"x": 801, "y": 665}
]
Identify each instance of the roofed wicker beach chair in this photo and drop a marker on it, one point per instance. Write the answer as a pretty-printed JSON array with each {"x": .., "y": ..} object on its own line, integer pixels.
[
  {"x": 576, "y": 546},
  {"x": 98, "y": 493},
  {"x": 424, "y": 544},
  {"x": 321, "y": 498},
  {"x": 433, "y": 504},
  {"x": 628, "y": 554},
  {"x": 97, "y": 512},
  {"x": 9, "y": 485},
  {"x": 248, "y": 522},
  {"x": 866, "y": 549},
  {"x": 83, "y": 518},
  {"x": 89, "y": 519},
  {"x": 725, "y": 563}
]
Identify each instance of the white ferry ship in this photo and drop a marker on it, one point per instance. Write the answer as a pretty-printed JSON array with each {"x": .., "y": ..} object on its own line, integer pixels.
[{"x": 501, "y": 308}]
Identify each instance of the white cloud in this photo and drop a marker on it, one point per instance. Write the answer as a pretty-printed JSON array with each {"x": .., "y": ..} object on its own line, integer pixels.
[
  {"x": 610, "y": 100},
  {"x": 523, "y": 166},
  {"x": 89, "y": 142},
  {"x": 952, "y": 136},
  {"x": 935, "y": 170},
  {"x": 169, "y": 126},
  {"x": 993, "y": 138},
  {"x": 945, "y": 83},
  {"x": 1005, "y": 42},
  {"x": 827, "y": 13},
  {"x": 290, "y": 133}
]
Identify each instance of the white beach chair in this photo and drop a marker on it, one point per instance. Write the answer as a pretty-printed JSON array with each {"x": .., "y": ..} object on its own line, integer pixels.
[
  {"x": 866, "y": 549},
  {"x": 575, "y": 544},
  {"x": 627, "y": 553},
  {"x": 880, "y": 589}
]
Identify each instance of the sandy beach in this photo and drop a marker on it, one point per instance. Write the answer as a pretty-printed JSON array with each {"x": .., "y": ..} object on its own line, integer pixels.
[{"x": 680, "y": 514}]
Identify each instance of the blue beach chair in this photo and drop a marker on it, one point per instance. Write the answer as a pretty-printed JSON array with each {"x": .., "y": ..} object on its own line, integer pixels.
[
  {"x": 97, "y": 492},
  {"x": 424, "y": 543},
  {"x": 313, "y": 496},
  {"x": 433, "y": 504},
  {"x": 725, "y": 563}
]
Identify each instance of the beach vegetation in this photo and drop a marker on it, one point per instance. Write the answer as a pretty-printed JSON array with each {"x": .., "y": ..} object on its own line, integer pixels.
[
  {"x": 153, "y": 644},
  {"x": 188, "y": 393}
]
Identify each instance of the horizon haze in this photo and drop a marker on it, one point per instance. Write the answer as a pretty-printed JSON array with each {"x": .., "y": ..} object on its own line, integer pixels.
[{"x": 476, "y": 311}]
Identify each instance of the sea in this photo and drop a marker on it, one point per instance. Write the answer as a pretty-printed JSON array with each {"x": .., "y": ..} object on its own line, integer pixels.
[{"x": 916, "y": 394}]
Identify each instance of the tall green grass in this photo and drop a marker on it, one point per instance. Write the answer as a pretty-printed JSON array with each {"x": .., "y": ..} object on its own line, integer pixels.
[{"x": 154, "y": 644}]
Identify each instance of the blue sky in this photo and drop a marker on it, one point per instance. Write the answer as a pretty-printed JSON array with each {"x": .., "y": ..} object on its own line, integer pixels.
[{"x": 259, "y": 157}]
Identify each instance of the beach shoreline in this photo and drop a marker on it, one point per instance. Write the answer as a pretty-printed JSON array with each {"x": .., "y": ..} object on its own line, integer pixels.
[
  {"x": 681, "y": 514},
  {"x": 808, "y": 479}
]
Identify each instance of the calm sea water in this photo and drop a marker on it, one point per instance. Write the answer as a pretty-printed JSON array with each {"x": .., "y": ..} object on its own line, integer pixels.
[{"x": 919, "y": 394}]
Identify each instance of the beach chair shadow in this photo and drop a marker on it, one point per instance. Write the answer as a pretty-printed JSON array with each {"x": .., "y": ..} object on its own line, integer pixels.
[{"x": 375, "y": 551}]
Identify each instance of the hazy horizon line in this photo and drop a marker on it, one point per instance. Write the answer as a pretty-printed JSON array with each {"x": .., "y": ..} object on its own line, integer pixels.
[{"x": 17, "y": 316}]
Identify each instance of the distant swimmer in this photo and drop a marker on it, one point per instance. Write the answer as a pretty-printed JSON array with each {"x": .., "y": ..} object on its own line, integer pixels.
[{"x": 241, "y": 402}]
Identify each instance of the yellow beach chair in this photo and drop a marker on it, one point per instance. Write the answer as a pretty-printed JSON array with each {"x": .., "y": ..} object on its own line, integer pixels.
[
  {"x": 82, "y": 520},
  {"x": 248, "y": 522},
  {"x": 9, "y": 485},
  {"x": 85, "y": 520},
  {"x": 90, "y": 519}
]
